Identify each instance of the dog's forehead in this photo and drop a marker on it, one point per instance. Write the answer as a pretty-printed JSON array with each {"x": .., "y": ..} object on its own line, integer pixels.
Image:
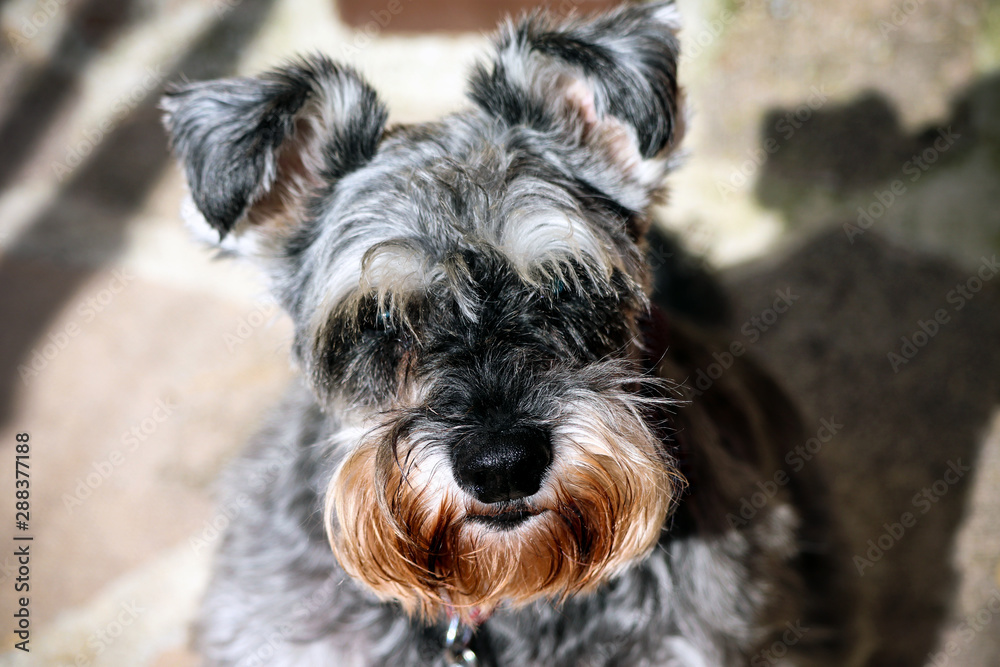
[{"x": 437, "y": 193}]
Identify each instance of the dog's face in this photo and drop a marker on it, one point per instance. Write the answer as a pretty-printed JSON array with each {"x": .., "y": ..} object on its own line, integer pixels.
[{"x": 466, "y": 297}]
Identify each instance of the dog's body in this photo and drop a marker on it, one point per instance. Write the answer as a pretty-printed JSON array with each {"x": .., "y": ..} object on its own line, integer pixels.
[
  {"x": 493, "y": 434},
  {"x": 711, "y": 595}
]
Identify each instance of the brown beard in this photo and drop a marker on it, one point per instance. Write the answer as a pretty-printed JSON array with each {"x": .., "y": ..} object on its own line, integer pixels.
[{"x": 604, "y": 506}]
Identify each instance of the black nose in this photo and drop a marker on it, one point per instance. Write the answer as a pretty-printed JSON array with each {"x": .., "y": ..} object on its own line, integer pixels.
[{"x": 502, "y": 465}]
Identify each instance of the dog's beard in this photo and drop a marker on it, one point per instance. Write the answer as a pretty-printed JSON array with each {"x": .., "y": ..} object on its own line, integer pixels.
[{"x": 398, "y": 523}]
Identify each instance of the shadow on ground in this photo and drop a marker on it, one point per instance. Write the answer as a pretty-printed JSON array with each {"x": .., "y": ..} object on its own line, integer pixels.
[
  {"x": 49, "y": 85},
  {"x": 938, "y": 185},
  {"x": 90, "y": 213},
  {"x": 897, "y": 346}
]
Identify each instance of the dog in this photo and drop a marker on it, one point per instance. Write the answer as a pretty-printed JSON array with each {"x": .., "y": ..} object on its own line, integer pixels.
[{"x": 494, "y": 455}]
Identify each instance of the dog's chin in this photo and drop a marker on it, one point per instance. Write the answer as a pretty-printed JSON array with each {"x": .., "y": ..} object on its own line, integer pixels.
[
  {"x": 507, "y": 518},
  {"x": 435, "y": 553}
]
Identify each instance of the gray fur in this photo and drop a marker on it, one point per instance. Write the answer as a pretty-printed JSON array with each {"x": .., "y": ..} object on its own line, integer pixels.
[
  {"x": 279, "y": 597},
  {"x": 503, "y": 248}
]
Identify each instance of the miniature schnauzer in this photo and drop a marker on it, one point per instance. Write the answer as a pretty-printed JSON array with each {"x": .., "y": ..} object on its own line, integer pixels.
[{"x": 493, "y": 457}]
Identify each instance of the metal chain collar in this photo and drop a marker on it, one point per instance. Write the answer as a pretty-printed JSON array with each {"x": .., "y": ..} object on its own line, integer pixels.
[{"x": 456, "y": 645}]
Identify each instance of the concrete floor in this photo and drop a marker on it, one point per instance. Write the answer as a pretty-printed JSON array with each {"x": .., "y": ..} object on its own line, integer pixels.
[{"x": 140, "y": 366}]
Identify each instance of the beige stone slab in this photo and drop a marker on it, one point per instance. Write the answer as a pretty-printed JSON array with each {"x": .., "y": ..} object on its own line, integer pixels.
[{"x": 130, "y": 422}]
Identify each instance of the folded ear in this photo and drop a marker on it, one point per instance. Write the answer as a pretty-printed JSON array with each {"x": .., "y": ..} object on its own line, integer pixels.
[
  {"x": 255, "y": 149},
  {"x": 604, "y": 89}
]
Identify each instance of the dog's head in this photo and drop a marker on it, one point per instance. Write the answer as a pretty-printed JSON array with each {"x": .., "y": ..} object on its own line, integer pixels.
[{"x": 466, "y": 297}]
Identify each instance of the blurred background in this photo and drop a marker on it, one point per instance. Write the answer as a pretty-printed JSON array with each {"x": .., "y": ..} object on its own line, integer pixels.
[{"x": 845, "y": 155}]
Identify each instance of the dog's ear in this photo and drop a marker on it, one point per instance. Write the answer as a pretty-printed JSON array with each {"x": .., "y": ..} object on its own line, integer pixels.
[
  {"x": 603, "y": 88},
  {"x": 254, "y": 149}
]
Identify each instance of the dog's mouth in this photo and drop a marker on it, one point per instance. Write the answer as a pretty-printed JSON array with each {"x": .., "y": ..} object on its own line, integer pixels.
[{"x": 506, "y": 519}]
